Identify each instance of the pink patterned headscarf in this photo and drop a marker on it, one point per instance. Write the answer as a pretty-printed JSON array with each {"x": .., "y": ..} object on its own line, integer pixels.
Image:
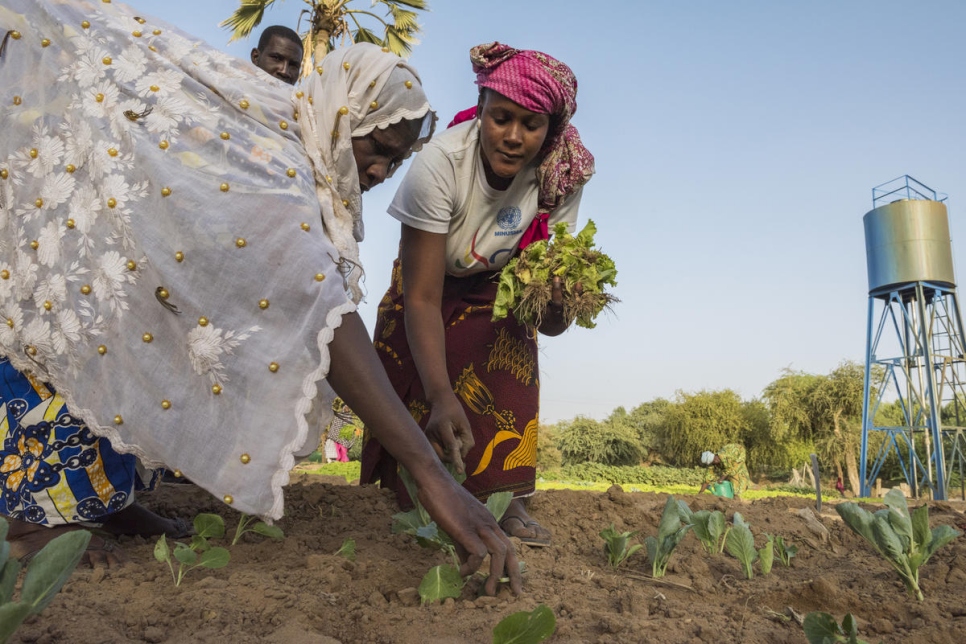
[{"x": 542, "y": 84}]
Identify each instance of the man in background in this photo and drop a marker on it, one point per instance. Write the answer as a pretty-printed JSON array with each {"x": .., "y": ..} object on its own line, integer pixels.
[{"x": 279, "y": 53}]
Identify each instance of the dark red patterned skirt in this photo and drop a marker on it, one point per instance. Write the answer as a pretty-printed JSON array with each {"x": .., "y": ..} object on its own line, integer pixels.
[{"x": 494, "y": 371}]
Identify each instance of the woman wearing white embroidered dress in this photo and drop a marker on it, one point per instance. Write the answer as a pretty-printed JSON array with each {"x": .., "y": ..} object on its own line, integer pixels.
[{"x": 169, "y": 289}]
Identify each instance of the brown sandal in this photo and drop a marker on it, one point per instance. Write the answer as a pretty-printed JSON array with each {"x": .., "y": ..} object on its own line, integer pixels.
[{"x": 534, "y": 542}]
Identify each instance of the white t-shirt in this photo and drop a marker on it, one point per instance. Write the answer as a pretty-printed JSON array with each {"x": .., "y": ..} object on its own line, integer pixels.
[{"x": 445, "y": 191}]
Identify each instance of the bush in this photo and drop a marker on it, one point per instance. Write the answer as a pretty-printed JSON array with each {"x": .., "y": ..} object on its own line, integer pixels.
[
  {"x": 586, "y": 440},
  {"x": 548, "y": 454},
  {"x": 627, "y": 475}
]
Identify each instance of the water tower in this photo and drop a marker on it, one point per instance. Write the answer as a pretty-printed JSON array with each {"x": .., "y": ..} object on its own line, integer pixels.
[{"x": 915, "y": 336}]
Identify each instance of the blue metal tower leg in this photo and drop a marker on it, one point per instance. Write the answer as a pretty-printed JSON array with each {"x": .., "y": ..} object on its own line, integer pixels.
[
  {"x": 937, "y": 456},
  {"x": 866, "y": 422}
]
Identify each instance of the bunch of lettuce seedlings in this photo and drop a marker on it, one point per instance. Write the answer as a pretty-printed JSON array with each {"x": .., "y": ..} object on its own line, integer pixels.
[{"x": 526, "y": 282}]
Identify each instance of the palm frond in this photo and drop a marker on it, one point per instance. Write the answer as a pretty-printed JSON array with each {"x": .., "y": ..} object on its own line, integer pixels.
[
  {"x": 403, "y": 19},
  {"x": 419, "y": 5},
  {"x": 400, "y": 44},
  {"x": 365, "y": 35},
  {"x": 245, "y": 18}
]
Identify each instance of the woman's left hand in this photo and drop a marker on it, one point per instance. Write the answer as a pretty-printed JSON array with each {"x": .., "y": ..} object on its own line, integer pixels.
[{"x": 553, "y": 322}]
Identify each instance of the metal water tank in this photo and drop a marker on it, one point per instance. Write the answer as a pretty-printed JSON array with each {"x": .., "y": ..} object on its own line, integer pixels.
[{"x": 908, "y": 241}]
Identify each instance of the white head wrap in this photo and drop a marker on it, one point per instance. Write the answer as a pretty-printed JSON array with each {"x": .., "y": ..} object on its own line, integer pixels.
[
  {"x": 354, "y": 91},
  {"x": 707, "y": 458}
]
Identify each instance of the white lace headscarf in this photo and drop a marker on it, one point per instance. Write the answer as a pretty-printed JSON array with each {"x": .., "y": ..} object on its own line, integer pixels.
[{"x": 354, "y": 91}]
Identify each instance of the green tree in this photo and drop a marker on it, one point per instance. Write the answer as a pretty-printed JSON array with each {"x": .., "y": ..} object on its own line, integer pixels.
[
  {"x": 836, "y": 405},
  {"x": 820, "y": 414},
  {"x": 332, "y": 20},
  {"x": 786, "y": 441},
  {"x": 584, "y": 440},
  {"x": 647, "y": 419},
  {"x": 698, "y": 422},
  {"x": 548, "y": 451}
]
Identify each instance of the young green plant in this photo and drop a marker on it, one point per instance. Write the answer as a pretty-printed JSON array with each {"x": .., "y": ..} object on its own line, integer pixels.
[
  {"x": 821, "y": 628},
  {"x": 903, "y": 539},
  {"x": 199, "y": 554},
  {"x": 259, "y": 527},
  {"x": 674, "y": 525},
  {"x": 741, "y": 544},
  {"x": 347, "y": 550},
  {"x": 618, "y": 545},
  {"x": 526, "y": 627},
  {"x": 783, "y": 551},
  {"x": 711, "y": 529},
  {"x": 444, "y": 580},
  {"x": 47, "y": 572}
]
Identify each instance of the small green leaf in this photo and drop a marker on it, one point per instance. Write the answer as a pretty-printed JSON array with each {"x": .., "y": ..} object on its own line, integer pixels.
[
  {"x": 406, "y": 522},
  {"x": 941, "y": 535},
  {"x": 209, "y": 526},
  {"x": 920, "y": 528},
  {"x": 8, "y": 580},
  {"x": 50, "y": 568},
  {"x": 161, "y": 551},
  {"x": 859, "y": 519},
  {"x": 441, "y": 582},
  {"x": 428, "y": 532},
  {"x": 766, "y": 556},
  {"x": 526, "y": 627},
  {"x": 199, "y": 543},
  {"x": 348, "y": 549},
  {"x": 214, "y": 558},
  {"x": 11, "y": 617},
  {"x": 741, "y": 545},
  {"x": 498, "y": 503},
  {"x": 821, "y": 626},
  {"x": 186, "y": 555},
  {"x": 270, "y": 531}
]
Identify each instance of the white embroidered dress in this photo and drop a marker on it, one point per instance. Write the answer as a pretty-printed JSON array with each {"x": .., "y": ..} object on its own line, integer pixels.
[{"x": 163, "y": 262}]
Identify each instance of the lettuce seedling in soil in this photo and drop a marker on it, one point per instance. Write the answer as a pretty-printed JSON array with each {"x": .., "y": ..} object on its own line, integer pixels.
[
  {"x": 199, "y": 554},
  {"x": 674, "y": 525},
  {"x": 710, "y": 529},
  {"x": 47, "y": 572},
  {"x": 526, "y": 627},
  {"x": 526, "y": 282},
  {"x": 783, "y": 551},
  {"x": 821, "y": 628},
  {"x": 444, "y": 580},
  {"x": 262, "y": 528},
  {"x": 618, "y": 547},
  {"x": 348, "y": 549},
  {"x": 904, "y": 539},
  {"x": 741, "y": 545}
]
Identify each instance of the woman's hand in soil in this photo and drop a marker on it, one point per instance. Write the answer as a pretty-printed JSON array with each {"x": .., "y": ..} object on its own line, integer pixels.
[
  {"x": 473, "y": 528},
  {"x": 449, "y": 432}
]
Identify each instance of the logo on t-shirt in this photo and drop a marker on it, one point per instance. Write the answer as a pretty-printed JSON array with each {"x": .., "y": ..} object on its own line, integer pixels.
[{"x": 509, "y": 219}]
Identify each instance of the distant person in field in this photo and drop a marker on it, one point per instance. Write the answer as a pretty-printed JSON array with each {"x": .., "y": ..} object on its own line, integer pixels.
[
  {"x": 279, "y": 53},
  {"x": 727, "y": 467},
  {"x": 478, "y": 193}
]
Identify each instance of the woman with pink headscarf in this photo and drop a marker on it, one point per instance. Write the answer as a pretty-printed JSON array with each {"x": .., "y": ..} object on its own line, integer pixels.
[{"x": 490, "y": 185}]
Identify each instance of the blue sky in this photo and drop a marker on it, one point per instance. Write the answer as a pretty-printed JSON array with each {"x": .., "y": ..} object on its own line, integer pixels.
[{"x": 737, "y": 144}]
